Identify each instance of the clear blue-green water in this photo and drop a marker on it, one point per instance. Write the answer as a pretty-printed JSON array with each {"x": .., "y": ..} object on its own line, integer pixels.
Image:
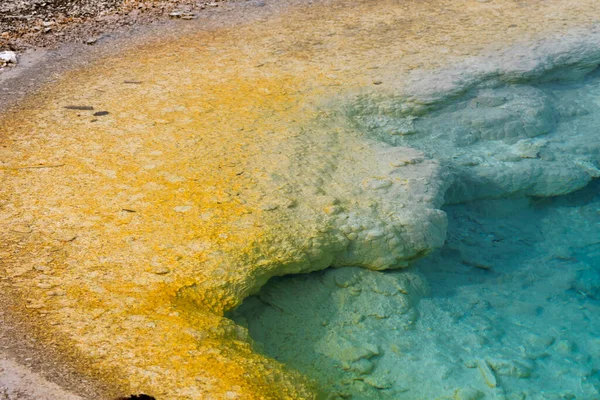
[{"x": 508, "y": 308}]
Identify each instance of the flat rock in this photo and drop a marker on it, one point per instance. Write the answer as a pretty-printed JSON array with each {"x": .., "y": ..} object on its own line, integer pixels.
[{"x": 8, "y": 58}]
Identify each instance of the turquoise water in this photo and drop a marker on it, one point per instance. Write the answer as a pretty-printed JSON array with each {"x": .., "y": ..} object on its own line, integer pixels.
[{"x": 509, "y": 307}]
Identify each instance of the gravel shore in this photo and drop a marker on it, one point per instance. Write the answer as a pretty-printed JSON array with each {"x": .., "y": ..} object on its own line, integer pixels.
[{"x": 26, "y": 24}]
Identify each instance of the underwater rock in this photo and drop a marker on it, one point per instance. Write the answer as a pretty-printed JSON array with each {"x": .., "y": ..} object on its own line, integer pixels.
[
  {"x": 518, "y": 324},
  {"x": 342, "y": 349},
  {"x": 588, "y": 282},
  {"x": 498, "y": 128},
  {"x": 511, "y": 368},
  {"x": 487, "y": 374},
  {"x": 468, "y": 394},
  {"x": 379, "y": 381},
  {"x": 355, "y": 341}
]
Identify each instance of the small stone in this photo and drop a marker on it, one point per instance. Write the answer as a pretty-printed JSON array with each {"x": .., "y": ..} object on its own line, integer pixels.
[
  {"x": 161, "y": 271},
  {"x": 45, "y": 285},
  {"x": 377, "y": 82},
  {"x": 8, "y": 57},
  {"x": 80, "y": 108},
  {"x": 176, "y": 14},
  {"x": 468, "y": 394},
  {"x": 362, "y": 366},
  {"x": 540, "y": 342},
  {"x": 375, "y": 234},
  {"x": 21, "y": 229},
  {"x": 92, "y": 40},
  {"x": 564, "y": 347},
  {"x": 378, "y": 183},
  {"x": 379, "y": 382},
  {"x": 511, "y": 368},
  {"x": 65, "y": 237},
  {"x": 290, "y": 203},
  {"x": 486, "y": 372},
  {"x": 332, "y": 210}
]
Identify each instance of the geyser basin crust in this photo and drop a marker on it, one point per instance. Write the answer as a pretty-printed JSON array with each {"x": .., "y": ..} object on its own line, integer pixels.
[{"x": 129, "y": 234}]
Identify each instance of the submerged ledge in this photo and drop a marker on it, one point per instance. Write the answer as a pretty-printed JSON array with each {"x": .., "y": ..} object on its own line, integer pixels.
[
  {"x": 502, "y": 123},
  {"x": 502, "y": 309},
  {"x": 130, "y": 233}
]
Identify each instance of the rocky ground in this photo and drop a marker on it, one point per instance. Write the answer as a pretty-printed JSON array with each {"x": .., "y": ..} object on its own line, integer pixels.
[{"x": 46, "y": 23}]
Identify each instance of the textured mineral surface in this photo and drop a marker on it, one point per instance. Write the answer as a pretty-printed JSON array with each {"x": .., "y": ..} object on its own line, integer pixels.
[{"x": 145, "y": 197}]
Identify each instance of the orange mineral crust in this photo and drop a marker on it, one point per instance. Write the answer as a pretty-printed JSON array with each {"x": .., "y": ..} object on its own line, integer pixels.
[{"x": 214, "y": 161}]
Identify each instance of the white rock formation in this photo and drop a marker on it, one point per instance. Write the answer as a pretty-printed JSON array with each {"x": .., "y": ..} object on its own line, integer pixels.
[
  {"x": 358, "y": 202},
  {"x": 508, "y": 124},
  {"x": 7, "y": 57}
]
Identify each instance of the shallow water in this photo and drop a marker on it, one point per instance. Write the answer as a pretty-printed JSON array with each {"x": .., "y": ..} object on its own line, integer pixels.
[
  {"x": 516, "y": 287},
  {"x": 508, "y": 308}
]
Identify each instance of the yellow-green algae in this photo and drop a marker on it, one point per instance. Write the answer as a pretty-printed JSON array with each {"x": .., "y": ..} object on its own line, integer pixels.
[{"x": 196, "y": 150}]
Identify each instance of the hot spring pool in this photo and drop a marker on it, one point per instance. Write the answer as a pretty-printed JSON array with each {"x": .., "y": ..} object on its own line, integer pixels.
[{"x": 508, "y": 308}]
